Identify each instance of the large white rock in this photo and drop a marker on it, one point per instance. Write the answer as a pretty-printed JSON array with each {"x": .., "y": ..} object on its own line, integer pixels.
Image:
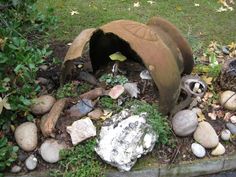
[
  {"x": 124, "y": 138},
  {"x": 81, "y": 130},
  {"x": 50, "y": 149},
  {"x": 206, "y": 135},
  {"x": 228, "y": 100},
  {"x": 198, "y": 150},
  {"x": 184, "y": 122},
  {"x": 43, "y": 104},
  {"x": 26, "y": 136}
]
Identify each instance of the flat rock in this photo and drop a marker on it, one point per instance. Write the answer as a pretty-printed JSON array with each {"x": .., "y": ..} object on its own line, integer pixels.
[
  {"x": 26, "y": 136},
  {"x": 228, "y": 100},
  {"x": 42, "y": 104},
  {"x": 81, "y": 130},
  {"x": 219, "y": 150},
  {"x": 116, "y": 91},
  {"x": 50, "y": 149},
  {"x": 95, "y": 114},
  {"x": 83, "y": 107},
  {"x": 232, "y": 128},
  {"x": 198, "y": 150},
  {"x": 206, "y": 135},
  {"x": 184, "y": 122},
  {"x": 132, "y": 89},
  {"x": 225, "y": 135},
  {"x": 124, "y": 138},
  {"x": 31, "y": 162}
]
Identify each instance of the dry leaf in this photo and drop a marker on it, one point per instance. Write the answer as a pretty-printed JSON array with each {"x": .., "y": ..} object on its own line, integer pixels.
[
  {"x": 74, "y": 12},
  {"x": 212, "y": 115},
  {"x": 106, "y": 115},
  {"x": 208, "y": 80},
  {"x": 4, "y": 104},
  {"x": 136, "y": 4},
  {"x": 150, "y": 2},
  {"x": 200, "y": 116}
]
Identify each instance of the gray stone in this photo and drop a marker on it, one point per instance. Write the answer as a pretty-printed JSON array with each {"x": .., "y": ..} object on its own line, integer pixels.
[
  {"x": 228, "y": 100},
  {"x": 124, "y": 138},
  {"x": 83, "y": 107},
  {"x": 232, "y": 128},
  {"x": 50, "y": 149},
  {"x": 31, "y": 162},
  {"x": 42, "y": 104},
  {"x": 206, "y": 135},
  {"x": 198, "y": 150},
  {"x": 81, "y": 130},
  {"x": 233, "y": 119},
  {"x": 16, "y": 169},
  {"x": 132, "y": 89},
  {"x": 26, "y": 136},
  {"x": 225, "y": 135},
  {"x": 184, "y": 122}
]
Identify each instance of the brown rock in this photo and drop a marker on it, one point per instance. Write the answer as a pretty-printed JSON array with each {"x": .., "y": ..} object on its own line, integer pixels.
[{"x": 95, "y": 114}]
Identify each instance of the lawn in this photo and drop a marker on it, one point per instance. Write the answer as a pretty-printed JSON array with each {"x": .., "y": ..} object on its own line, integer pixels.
[{"x": 197, "y": 18}]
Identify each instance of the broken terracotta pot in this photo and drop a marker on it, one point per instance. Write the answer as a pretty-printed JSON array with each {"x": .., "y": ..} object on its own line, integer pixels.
[{"x": 158, "y": 45}]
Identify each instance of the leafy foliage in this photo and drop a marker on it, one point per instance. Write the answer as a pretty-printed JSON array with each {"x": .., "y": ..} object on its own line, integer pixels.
[
  {"x": 21, "y": 56},
  {"x": 68, "y": 90},
  {"x": 79, "y": 161},
  {"x": 8, "y": 154},
  {"x": 108, "y": 103},
  {"x": 155, "y": 119},
  {"x": 109, "y": 79}
]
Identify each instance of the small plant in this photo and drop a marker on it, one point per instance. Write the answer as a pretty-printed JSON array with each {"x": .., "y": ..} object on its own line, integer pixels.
[
  {"x": 8, "y": 154},
  {"x": 80, "y": 161},
  {"x": 108, "y": 103},
  {"x": 155, "y": 119},
  {"x": 68, "y": 90},
  {"x": 83, "y": 88},
  {"x": 109, "y": 79}
]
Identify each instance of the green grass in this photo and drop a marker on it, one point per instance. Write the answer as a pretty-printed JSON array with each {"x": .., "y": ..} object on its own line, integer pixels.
[{"x": 203, "y": 21}]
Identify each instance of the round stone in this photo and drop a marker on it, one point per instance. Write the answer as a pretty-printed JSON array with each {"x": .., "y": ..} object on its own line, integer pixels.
[
  {"x": 31, "y": 162},
  {"x": 233, "y": 119},
  {"x": 225, "y": 135},
  {"x": 232, "y": 128},
  {"x": 228, "y": 100},
  {"x": 43, "y": 104},
  {"x": 184, "y": 122},
  {"x": 219, "y": 150},
  {"x": 16, "y": 169},
  {"x": 50, "y": 149},
  {"x": 206, "y": 135},
  {"x": 26, "y": 136},
  {"x": 198, "y": 150}
]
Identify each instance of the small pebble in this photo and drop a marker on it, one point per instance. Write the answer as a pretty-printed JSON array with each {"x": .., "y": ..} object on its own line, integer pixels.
[
  {"x": 225, "y": 50},
  {"x": 232, "y": 128},
  {"x": 16, "y": 169},
  {"x": 233, "y": 119},
  {"x": 196, "y": 87},
  {"x": 219, "y": 150},
  {"x": 43, "y": 67},
  {"x": 31, "y": 162},
  {"x": 198, "y": 150},
  {"x": 225, "y": 135}
]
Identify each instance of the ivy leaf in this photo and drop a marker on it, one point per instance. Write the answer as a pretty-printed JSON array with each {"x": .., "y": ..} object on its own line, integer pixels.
[{"x": 117, "y": 57}]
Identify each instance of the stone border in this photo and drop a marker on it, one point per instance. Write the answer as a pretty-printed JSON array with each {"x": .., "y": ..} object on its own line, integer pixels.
[{"x": 196, "y": 168}]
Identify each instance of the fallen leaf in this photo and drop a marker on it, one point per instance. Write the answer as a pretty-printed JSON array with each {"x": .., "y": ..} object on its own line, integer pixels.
[
  {"x": 232, "y": 46},
  {"x": 74, "y": 12},
  {"x": 4, "y": 104},
  {"x": 207, "y": 80},
  {"x": 201, "y": 117},
  {"x": 117, "y": 57},
  {"x": 136, "y": 4},
  {"x": 106, "y": 114}
]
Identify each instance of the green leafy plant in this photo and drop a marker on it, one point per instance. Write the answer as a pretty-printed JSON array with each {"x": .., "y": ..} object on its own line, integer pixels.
[
  {"x": 68, "y": 90},
  {"x": 109, "y": 79},
  {"x": 84, "y": 87},
  {"x": 22, "y": 28},
  {"x": 79, "y": 161},
  {"x": 108, "y": 103},
  {"x": 158, "y": 122},
  {"x": 8, "y": 154}
]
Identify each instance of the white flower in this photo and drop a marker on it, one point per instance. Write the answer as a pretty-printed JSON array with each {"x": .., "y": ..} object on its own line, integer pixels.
[
  {"x": 4, "y": 104},
  {"x": 196, "y": 5},
  {"x": 150, "y": 2}
]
